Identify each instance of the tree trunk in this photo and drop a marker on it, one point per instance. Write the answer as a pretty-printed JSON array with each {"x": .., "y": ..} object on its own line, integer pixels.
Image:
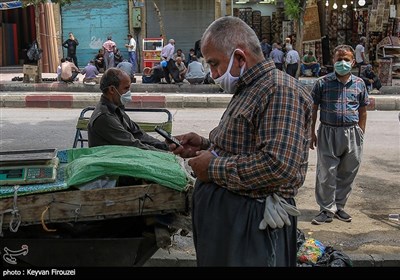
[
  {"x": 160, "y": 21},
  {"x": 37, "y": 16},
  {"x": 300, "y": 27},
  {"x": 299, "y": 31}
]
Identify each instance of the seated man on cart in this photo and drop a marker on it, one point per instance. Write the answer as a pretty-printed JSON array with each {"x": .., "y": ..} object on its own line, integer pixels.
[{"x": 110, "y": 124}]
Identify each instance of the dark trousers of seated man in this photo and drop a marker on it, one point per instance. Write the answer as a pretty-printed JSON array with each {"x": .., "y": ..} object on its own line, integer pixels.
[
  {"x": 376, "y": 83},
  {"x": 70, "y": 80},
  {"x": 172, "y": 70}
]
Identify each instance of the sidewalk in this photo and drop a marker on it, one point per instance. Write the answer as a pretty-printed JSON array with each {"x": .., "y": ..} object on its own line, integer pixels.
[
  {"x": 370, "y": 240},
  {"x": 78, "y": 95}
]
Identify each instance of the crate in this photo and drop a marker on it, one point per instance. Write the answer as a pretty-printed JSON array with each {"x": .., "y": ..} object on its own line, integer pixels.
[{"x": 31, "y": 73}]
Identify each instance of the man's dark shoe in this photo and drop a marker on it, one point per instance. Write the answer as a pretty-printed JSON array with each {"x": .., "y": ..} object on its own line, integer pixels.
[
  {"x": 322, "y": 217},
  {"x": 343, "y": 216}
]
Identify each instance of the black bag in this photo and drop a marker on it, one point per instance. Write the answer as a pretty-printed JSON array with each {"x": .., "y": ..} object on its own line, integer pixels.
[{"x": 34, "y": 53}]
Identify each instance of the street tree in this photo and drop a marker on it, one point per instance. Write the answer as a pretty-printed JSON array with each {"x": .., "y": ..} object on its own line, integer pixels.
[{"x": 295, "y": 10}]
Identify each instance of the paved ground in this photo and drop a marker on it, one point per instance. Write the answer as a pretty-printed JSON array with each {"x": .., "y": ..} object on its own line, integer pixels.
[
  {"x": 370, "y": 239},
  {"x": 79, "y": 95}
]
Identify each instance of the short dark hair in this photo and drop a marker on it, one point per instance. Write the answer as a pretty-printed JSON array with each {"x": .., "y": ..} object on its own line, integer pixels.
[
  {"x": 346, "y": 48},
  {"x": 111, "y": 77}
]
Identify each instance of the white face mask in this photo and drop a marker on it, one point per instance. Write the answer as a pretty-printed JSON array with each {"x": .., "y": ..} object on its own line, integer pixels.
[
  {"x": 125, "y": 98},
  {"x": 227, "y": 82}
]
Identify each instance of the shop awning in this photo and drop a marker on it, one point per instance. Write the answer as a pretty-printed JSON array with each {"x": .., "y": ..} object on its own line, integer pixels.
[{"x": 10, "y": 5}]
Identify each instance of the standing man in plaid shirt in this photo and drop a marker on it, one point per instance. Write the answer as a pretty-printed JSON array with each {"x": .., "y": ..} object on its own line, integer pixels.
[
  {"x": 249, "y": 170},
  {"x": 342, "y": 99}
]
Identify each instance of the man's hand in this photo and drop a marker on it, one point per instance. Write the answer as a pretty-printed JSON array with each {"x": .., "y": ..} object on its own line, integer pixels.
[
  {"x": 200, "y": 163},
  {"x": 313, "y": 141},
  {"x": 276, "y": 213},
  {"x": 190, "y": 144}
]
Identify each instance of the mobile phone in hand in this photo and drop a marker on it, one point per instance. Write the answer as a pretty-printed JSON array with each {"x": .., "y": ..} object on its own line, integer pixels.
[{"x": 167, "y": 136}]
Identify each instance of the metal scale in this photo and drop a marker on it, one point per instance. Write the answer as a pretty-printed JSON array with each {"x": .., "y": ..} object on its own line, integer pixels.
[{"x": 28, "y": 167}]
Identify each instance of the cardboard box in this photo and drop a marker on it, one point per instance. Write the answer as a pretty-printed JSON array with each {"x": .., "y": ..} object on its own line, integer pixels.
[
  {"x": 395, "y": 82},
  {"x": 31, "y": 74},
  {"x": 30, "y": 69}
]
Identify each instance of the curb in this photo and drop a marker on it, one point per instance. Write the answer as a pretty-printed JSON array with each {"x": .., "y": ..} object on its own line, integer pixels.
[
  {"x": 152, "y": 100},
  {"x": 80, "y": 87},
  {"x": 143, "y": 100}
]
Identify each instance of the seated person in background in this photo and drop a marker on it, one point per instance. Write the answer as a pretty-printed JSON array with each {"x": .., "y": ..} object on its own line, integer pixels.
[
  {"x": 181, "y": 67},
  {"x": 127, "y": 67},
  {"x": 109, "y": 124},
  {"x": 118, "y": 56},
  {"x": 99, "y": 60},
  {"x": 370, "y": 79},
  {"x": 310, "y": 62},
  {"x": 68, "y": 71},
  {"x": 195, "y": 73},
  {"x": 191, "y": 54},
  {"x": 90, "y": 71},
  {"x": 59, "y": 69},
  {"x": 152, "y": 75},
  {"x": 180, "y": 54}
]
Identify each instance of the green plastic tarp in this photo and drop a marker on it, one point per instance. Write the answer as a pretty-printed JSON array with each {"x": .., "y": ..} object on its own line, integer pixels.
[{"x": 87, "y": 164}]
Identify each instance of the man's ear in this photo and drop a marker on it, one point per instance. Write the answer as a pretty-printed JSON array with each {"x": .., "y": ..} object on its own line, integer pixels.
[
  {"x": 111, "y": 90},
  {"x": 241, "y": 57}
]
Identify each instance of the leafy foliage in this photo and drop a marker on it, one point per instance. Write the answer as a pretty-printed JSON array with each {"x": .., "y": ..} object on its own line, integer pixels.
[{"x": 294, "y": 8}]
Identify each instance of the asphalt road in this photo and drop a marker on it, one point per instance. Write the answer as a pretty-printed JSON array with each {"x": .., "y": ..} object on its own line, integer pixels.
[{"x": 376, "y": 192}]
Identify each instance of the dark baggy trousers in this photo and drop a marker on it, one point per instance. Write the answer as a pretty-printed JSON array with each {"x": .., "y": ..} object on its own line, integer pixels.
[{"x": 226, "y": 233}]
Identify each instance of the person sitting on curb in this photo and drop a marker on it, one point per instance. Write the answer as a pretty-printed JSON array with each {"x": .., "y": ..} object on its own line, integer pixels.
[
  {"x": 59, "y": 70},
  {"x": 181, "y": 67},
  {"x": 310, "y": 62},
  {"x": 90, "y": 71},
  {"x": 128, "y": 68},
  {"x": 370, "y": 79},
  {"x": 99, "y": 60},
  {"x": 195, "y": 73},
  {"x": 69, "y": 71},
  {"x": 152, "y": 75}
]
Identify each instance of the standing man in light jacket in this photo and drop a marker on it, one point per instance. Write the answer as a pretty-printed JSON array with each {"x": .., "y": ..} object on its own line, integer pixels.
[
  {"x": 360, "y": 54},
  {"x": 131, "y": 46},
  {"x": 167, "y": 54},
  {"x": 110, "y": 48}
]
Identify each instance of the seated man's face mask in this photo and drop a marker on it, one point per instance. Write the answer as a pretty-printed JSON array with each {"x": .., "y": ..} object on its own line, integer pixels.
[{"x": 125, "y": 98}]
